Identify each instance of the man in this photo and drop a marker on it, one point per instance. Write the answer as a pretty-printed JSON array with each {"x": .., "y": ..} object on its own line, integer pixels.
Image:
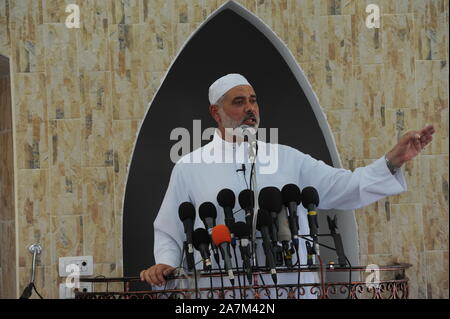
[{"x": 233, "y": 104}]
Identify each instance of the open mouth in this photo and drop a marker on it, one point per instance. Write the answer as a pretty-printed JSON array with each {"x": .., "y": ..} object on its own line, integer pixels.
[{"x": 250, "y": 121}]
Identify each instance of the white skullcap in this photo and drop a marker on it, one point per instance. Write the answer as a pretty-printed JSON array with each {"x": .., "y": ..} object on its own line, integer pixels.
[{"x": 224, "y": 84}]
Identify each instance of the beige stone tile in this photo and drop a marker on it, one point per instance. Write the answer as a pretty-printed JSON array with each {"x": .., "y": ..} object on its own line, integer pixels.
[
  {"x": 5, "y": 104},
  {"x": 93, "y": 36},
  {"x": 305, "y": 8},
  {"x": 431, "y": 29},
  {"x": 338, "y": 7},
  {"x": 189, "y": 11},
  {"x": 432, "y": 101},
  {"x": 98, "y": 222},
  {"x": 8, "y": 260},
  {"x": 182, "y": 32},
  {"x": 97, "y": 120},
  {"x": 407, "y": 229},
  {"x": 27, "y": 34},
  {"x": 34, "y": 217},
  {"x": 435, "y": 224},
  {"x": 314, "y": 73},
  {"x": 434, "y": 174},
  {"x": 126, "y": 11},
  {"x": 335, "y": 82},
  {"x": 264, "y": 11},
  {"x": 65, "y": 179},
  {"x": 367, "y": 42},
  {"x": 54, "y": 11},
  {"x": 128, "y": 44},
  {"x": 31, "y": 130},
  {"x": 159, "y": 10},
  {"x": 280, "y": 17},
  {"x": 152, "y": 83},
  {"x": 304, "y": 36},
  {"x": 437, "y": 273},
  {"x": 67, "y": 237},
  {"x": 63, "y": 87},
  {"x": 125, "y": 135},
  {"x": 5, "y": 39},
  {"x": 6, "y": 178},
  {"x": 336, "y": 39},
  {"x": 46, "y": 281},
  {"x": 127, "y": 95},
  {"x": 398, "y": 48}
]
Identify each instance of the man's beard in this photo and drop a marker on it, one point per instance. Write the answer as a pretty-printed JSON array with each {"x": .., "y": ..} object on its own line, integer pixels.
[{"x": 229, "y": 123}]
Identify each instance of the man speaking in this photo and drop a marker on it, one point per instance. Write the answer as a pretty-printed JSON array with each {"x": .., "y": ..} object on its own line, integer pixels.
[{"x": 234, "y": 106}]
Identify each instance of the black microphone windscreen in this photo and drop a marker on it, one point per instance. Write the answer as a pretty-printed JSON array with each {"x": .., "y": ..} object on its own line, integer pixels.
[
  {"x": 241, "y": 229},
  {"x": 310, "y": 196},
  {"x": 264, "y": 219},
  {"x": 186, "y": 211},
  {"x": 291, "y": 193},
  {"x": 200, "y": 236},
  {"x": 207, "y": 209},
  {"x": 226, "y": 198},
  {"x": 270, "y": 199},
  {"x": 247, "y": 199}
]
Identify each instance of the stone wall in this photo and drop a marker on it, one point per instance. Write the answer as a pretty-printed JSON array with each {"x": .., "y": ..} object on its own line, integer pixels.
[{"x": 79, "y": 96}]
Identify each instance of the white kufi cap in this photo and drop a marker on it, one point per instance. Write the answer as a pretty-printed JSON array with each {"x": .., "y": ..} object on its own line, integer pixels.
[{"x": 224, "y": 84}]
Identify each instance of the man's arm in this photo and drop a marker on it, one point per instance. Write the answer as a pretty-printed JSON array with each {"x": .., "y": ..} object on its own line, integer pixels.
[
  {"x": 343, "y": 189},
  {"x": 168, "y": 232}
]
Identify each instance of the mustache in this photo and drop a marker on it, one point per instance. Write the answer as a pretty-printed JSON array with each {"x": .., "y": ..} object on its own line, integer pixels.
[{"x": 250, "y": 116}]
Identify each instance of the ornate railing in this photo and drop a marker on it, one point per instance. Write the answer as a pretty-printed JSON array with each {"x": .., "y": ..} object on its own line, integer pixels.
[{"x": 394, "y": 288}]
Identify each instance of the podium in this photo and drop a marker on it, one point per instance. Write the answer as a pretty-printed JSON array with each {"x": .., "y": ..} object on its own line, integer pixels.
[{"x": 392, "y": 285}]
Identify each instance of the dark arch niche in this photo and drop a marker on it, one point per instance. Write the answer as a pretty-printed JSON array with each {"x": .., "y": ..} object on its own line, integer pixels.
[{"x": 231, "y": 40}]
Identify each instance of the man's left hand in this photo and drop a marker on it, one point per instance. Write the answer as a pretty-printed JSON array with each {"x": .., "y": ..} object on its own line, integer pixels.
[{"x": 410, "y": 145}]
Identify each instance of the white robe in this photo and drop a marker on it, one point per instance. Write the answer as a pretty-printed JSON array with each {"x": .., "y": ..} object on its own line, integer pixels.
[{"x": 277, "y": 165}]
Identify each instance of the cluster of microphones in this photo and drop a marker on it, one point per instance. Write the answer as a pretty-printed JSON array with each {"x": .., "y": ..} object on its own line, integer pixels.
[{"x": 276, "y": 220}]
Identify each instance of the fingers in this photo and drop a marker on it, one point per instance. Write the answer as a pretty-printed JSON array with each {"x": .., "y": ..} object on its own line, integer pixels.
[{"x": 155, "y": 275}]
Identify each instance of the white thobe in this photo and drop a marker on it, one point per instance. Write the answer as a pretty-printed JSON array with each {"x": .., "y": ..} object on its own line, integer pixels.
[{"x": 199, "y": 176}]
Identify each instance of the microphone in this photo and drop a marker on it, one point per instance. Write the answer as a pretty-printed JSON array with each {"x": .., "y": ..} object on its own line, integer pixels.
[
  {"x": 242, "y": 232},
  {"x": 291, "y": 199},
  {"x": 332, "y": 225},
  {"x": 263, "y": 224},
  {"x": 310, "y": 200},
  {"x": 221, "y": 237},
  {"x": 284, "y": 236},
  {"x": 208, "y": 214},
  {"x": 270, "y": 199},
  {"x": 226, "y": 200},
  {"x": 247, "y": 201},
  {"x": 186, "y": 212},
  {"x": 201, "y": 241}
]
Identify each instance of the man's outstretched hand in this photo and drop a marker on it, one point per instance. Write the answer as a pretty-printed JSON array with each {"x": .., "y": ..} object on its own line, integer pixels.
[
  {"x": 410, "y": 145},
  {"x": 155, "y": 275}
]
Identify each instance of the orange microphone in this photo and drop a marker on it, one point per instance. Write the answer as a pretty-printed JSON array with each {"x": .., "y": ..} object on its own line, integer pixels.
[{"x": 221, "y": 237}]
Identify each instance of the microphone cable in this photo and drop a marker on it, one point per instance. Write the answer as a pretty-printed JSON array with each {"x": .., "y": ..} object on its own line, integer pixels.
[
  {"x": 237, "y": 268},
  {"x": 348, "y": 261}
]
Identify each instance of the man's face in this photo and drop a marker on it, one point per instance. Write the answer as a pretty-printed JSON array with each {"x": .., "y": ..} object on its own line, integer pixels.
[{"x": 239, "y": 107}]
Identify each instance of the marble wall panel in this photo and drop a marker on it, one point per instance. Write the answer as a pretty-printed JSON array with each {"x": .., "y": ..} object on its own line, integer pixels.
[
  {"x": 6, "y": 177},
  {"x": 398, "y": 49},
  {"x": 437, "y": 274},
  {"x": 98, "y": 223},
  {"x": 7, "y": 259},
  {"x": 80, "y": 94},
  {"x": 97, "y": 113},
  {"x": 27, "y": 36},
  {"x": 431, "y": 29},
  {"x": 5, "y": 38},
  {"x": 367, "y": 42},
  {"x": 33, "y": 216},
  {"x": 62, "y": 76},
  {"x": 93, "y": 46},
  {"x": 31, "y": 128},
  {"x": 432, "y": 100},
  {"x": 126, "y": 11}
]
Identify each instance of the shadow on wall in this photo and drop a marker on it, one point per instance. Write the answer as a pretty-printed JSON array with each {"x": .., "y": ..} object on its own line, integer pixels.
[{"x": 226, "y": 44}]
